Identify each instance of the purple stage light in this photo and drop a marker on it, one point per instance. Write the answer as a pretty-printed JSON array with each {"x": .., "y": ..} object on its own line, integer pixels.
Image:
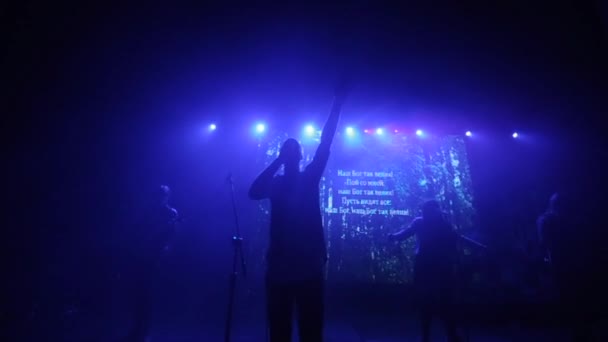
[
  {"x": 515, "y": 135},
  {"x": 366, "y": 131},
  {"x": 468, "y": 134}
]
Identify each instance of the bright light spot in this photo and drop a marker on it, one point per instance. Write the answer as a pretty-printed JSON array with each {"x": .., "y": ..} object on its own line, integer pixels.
[
  {"x": 366, "y": 131},
  {"x": 379, "y": 131},
  {"x": 310, "y": 130},
  {"x": 419, "y": 132},
  {"x": 396, "y": 131},
  {"x": 468, "y": 134},
  {"x": 260, "y": 128},
  {"x": 515, "y": 135},
  {"x": 350, "y": 131},
  {"x": 212, "y": 127}
]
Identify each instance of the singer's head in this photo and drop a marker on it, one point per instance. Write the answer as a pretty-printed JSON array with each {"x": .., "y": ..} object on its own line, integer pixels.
[
  {"x": 291, "y": 152},
  {"x": 431, "y": 210}
]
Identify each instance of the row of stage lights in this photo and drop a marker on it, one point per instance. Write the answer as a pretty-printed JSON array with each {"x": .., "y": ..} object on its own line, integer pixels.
[{"x": 260, "y": 128}]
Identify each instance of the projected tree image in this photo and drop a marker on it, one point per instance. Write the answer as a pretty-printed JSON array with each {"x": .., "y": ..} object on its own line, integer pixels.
[{"x": 374, "y": 187}]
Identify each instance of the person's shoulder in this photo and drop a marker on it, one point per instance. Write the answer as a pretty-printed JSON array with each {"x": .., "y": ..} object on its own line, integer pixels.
[
  {"x": 309, "y": 167},
  {"x": 548, "y": 221},
  {"x": 547, "y": 217},
  {"x": 540, "y": 220},
  {"x": 308, "y": 175},
  {"x": 417, "y": 221},
  {"x": 309, "y": 170}
]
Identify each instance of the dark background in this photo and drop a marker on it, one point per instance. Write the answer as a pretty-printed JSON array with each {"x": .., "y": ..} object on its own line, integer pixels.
[{"x": 103, "y": 102}]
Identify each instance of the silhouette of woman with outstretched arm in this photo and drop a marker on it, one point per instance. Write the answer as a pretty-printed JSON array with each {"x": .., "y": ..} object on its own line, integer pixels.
[{"x": 436, "y": 253}]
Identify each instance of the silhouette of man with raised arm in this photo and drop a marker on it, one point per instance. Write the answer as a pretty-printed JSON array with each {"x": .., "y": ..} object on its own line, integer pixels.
[
  {"x": 297, "y": 253},
  {"x": 436, "y": 255}
]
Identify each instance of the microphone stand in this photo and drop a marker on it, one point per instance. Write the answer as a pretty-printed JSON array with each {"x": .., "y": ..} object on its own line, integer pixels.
[{"x": 237, "y": 244}]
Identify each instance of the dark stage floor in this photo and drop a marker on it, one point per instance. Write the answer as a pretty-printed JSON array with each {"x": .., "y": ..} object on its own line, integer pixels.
[
  {"x": 195, "y": 311},
  {"x": 371, "y": 329},
  {"x": 190, "y": 323}
]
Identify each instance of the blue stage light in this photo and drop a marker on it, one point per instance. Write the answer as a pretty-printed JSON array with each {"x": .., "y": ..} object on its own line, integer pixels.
[
  {"x": 212, "y": 127},
  {"x": 419, "y": 133},
  {"x": 468, "y": 134},
  {"x": 379, "y": 131},
  {"x": 350, "y": 131},
  {"x": 515, "y": 135},
  {"x": 310, "y": 130},
  {"x": 260, "y": 128}
]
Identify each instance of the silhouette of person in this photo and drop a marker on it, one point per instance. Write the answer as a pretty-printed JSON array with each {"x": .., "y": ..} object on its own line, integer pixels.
[
  {"x": 563, "y": 251},
  {"x": 549, "y": 229},
  {"x": 155, "y": 233},
  {"x": 297, "y": 252},
  {"x": 436, "y": 255}
]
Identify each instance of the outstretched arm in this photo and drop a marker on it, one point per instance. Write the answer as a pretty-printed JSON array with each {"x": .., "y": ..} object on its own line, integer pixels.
[
  {"x": 406, "y": 232},
  {"x": 261, "y": 186},
  {"x": 329, "y": 131}
]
